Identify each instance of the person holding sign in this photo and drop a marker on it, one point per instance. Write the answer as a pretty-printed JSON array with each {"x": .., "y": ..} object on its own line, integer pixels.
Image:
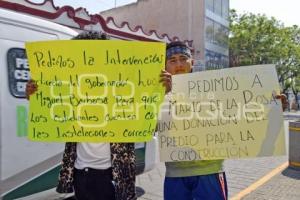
[
  {"x": 191, "y": 179},
  {"x": 96, "y": 171},
  {"x": 284, "y": 102}
]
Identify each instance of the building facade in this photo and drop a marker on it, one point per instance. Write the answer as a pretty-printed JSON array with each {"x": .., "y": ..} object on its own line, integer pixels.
[
  {"x": 216, "y": 33},
  {"x": 80, "y": 20},
  {"x": 204, "y": 22}
]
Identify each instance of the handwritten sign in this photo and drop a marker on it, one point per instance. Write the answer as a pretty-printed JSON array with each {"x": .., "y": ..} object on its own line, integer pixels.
[
  {"x": 228, "y": 113},
  {"x": 95, "y": 91}
]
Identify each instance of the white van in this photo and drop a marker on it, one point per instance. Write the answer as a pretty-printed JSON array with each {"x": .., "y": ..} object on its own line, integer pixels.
[{"x": 29, "y": 170}]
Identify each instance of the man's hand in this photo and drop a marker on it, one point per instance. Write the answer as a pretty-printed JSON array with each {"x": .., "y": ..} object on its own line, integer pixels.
[
  {"x": 31, "y": 88},
  {"x": 283, "y": 100},
  {"x": 166, "y": 80}
]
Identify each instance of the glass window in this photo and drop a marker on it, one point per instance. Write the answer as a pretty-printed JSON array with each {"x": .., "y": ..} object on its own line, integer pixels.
[
  {"x": 209, "y": 4},
  {"x": 215, "y": 60},
  {"x": 217, "y": 33},
  {"x": 225, "y": 39},
  {"x": 218, "y": 7},
  {"x": 225, "y": 61},
  {"x": 209, "y": 30},
  {"x": 221, "y": 35},
  {"x": 225, "y": 9}
]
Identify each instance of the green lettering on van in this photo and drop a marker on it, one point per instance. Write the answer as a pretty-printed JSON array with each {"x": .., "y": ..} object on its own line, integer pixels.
[{"x": 22, "y": 121}]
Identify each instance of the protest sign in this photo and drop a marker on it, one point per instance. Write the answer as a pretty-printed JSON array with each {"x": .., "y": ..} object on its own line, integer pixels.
[
  {"x": 219, "y": 114},
  {"x": 95, "y": 91}
]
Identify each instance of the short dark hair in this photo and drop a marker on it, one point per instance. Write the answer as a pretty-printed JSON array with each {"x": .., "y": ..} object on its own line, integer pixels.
[{"x": 91, "y": 35}]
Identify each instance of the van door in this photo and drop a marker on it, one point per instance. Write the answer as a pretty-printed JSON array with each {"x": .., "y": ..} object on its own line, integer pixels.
[{"x": 20, "y": 159}]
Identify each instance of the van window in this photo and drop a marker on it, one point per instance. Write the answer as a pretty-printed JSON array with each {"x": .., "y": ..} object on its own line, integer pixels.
[{"x": 18, "y": 71}]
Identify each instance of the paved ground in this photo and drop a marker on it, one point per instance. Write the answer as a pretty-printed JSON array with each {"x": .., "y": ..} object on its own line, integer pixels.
[
  {"x": 283, "y": 186},
  {"x": 266, "y": 178},
  {"x": 240, "y": 174},
  {"x": 244, "y": 172}
]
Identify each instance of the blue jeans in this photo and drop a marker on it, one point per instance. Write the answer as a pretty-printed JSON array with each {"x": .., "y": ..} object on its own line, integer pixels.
[{"x": 204, "y": 187}]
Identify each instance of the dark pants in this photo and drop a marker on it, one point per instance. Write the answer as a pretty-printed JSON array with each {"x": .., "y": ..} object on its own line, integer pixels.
[
  {"x": 203, "y": 187},
  {"x": 93, "y": 184}
]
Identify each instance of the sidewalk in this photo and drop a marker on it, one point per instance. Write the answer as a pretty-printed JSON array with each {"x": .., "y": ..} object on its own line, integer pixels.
[
  {"x": 280, "y": 185},
  {"x": 264, "y": 178},
  {"x": 283, "y": 186},
  {"x": 242, "y": 175}
]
